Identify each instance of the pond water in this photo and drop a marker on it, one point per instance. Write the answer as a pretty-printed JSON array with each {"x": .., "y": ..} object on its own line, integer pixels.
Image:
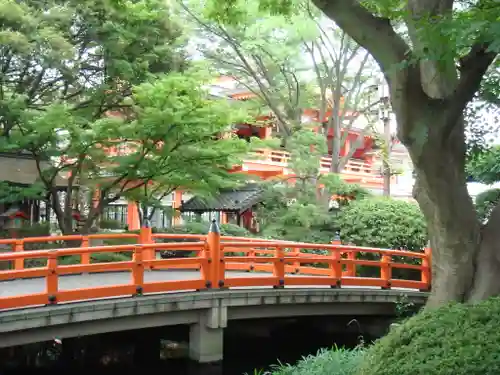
[{"x": 248, "y": 347}]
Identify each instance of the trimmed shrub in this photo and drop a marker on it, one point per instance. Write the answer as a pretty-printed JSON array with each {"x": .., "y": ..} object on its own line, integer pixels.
[
  {"x": 110, "y": 224},
  {"x": 384, "y": 223},
  {"x": 458, "y": 339},
  {"x": 335, "y": 361},
  {"x": 485, "y": 202}
]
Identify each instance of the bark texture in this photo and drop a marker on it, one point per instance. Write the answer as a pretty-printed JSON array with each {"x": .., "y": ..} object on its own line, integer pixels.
[{"x": 428, "y": 99}]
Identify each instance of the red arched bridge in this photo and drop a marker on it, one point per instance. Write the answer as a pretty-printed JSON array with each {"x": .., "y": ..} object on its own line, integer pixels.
[
  {"x": 216, "y": 262},
  {"x": 222, "y": 279}
]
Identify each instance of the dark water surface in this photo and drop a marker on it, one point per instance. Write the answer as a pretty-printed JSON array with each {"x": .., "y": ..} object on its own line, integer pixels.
[{"x": 247, "y": 346}]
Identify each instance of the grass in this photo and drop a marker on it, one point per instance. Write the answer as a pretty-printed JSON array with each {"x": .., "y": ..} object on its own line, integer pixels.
[{"x": 334, "y": 361}]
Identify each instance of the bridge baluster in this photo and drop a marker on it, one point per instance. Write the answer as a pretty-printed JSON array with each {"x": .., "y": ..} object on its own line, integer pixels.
[
  {"x": 217, "y": 266},
  {"x": 138, "y": 269},
  {"x": 426, "y": 275},
  {"x": 336, "y": 268},
  {"x": 19, "y": 263},
  {"x": 85, "y": 257},
  {"x": 52, "y": 281},
  {"x": 145, "y": 238},
  {"x": 385, "y": 270},
  {"x": 279, "y": 266}
]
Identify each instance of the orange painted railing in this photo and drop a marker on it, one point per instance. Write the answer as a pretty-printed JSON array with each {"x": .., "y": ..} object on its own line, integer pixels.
[
  {"x": 353, "y": 167},
  {"x": 279, "y": 261}
]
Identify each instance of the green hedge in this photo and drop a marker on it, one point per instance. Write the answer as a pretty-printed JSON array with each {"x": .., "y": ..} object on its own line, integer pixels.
[
  {"x": 384, "y": 223},
  {"x": 334, "y": 361},
  {"x": 457, "y": 339}
]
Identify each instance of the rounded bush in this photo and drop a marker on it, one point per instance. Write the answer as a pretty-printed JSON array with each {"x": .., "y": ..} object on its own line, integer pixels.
[
  {"x": 384, "y": 223},
  {"x": 456, "y": 339}
]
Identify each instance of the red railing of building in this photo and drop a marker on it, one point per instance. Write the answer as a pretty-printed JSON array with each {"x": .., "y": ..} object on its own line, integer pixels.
[
  {"x": 354, "y": 167},
  {"x": 214, "y": 255}
]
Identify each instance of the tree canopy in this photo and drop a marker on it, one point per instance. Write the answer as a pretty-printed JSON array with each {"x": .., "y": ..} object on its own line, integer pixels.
[
  {"x": 98, "y": 94},
  {"x": 294, "y": 208},
  {"x": 302, "y": 69}
]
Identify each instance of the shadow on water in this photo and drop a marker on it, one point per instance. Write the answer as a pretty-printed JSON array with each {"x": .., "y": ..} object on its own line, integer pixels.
[{"x": 248, "y": 345}]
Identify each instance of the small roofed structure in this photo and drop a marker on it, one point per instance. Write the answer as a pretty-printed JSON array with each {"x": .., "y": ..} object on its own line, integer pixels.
[
  {"x": 20, "y": 170},
  {"x": 238, "y": 205},
  {"x": 12, "y": 220}
]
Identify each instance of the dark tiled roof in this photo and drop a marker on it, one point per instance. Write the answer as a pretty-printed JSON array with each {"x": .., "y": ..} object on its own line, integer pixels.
[
  {"x": 22, "y": 169},
  {"x": 228, "y": 200}
]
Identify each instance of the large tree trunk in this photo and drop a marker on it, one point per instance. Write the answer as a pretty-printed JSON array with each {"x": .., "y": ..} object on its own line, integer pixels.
[
  {"x": 465, "y": 259},
  {"x": 429, "y": 98}
]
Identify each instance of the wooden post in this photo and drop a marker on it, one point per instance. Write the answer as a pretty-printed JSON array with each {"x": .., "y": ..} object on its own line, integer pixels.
[
  {"x": 279, "y": 267},
  {"x": 251, "y": 254},
  {"x": 217, "y": 272},
  {"x": 51, "y": 286},
  {"x": 19, "y": 263},
  {"x": 145, "y": 238},
  {"x": 85, "y": 258},
  {"x": 336, "y": 269},
  {"x": 385, "y": 270},
  {"x": 138, "y": 270},
  {"x": 426, "y": 275}
]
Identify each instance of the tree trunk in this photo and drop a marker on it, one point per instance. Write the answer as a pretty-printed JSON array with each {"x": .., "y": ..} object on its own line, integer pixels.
[
  {"x": 464, "y": 255},
  {"x": 428, "y": 97}
]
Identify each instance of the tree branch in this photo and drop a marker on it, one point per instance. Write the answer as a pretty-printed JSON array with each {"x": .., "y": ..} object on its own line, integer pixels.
[
  {"x": 373, "y": 33},
  {"x": 472, "y": 69}
]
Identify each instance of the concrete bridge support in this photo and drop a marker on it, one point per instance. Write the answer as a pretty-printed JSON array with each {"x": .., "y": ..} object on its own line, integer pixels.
[{"x": 206, "y": 337}]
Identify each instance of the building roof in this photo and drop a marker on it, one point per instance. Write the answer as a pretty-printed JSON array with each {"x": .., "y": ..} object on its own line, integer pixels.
[
  {"x": 22, "y": 169},
  {"x": 234, "y": 200}
]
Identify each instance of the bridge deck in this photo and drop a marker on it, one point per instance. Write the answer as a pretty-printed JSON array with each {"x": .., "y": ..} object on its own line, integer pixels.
[{"x": 37, "y": 285}]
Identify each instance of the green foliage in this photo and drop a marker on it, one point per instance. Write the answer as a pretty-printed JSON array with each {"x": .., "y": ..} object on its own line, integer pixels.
[
  {"x": 196, "y": 227},
  {"x": 84, "y": 92},
  {"x": 335, "y": 361},
  {"x": 383, "y": 223},
  {"x": 290, "y": 63},
  {"x": 110, "y": 224},
  {"x": 460, "y": 339},
  {"x": 485, "y": 166},
  {"x": 485, "y": 202},
  {"x": 295, "y": 210}
]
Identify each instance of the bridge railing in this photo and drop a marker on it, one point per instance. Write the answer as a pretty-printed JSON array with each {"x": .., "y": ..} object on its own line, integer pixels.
[{"x": 279, "y": 264}]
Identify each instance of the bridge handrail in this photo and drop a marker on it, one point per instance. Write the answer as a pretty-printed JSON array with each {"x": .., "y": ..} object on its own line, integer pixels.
[{"x": 214, "y": 255}]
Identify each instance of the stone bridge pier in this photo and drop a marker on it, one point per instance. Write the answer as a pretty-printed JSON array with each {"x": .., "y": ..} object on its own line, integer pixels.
[{"x": 206, "y": 337}]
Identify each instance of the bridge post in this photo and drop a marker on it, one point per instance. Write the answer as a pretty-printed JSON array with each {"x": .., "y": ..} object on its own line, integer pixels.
[
  {"x": 216, "y": 255},
  {"x": 206, "y": 337},
  {"x": 385, "y": 270},
  {"x": 145, "y": 238},
  {"x": 19, "y": 263},
  {"x": 85, "y": 258},
  {"x": 426, "y": 274}
]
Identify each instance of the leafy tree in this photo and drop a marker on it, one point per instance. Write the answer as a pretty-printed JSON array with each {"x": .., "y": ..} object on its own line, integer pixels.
[
  {"x": 81, "y": 92},
  {"x": 291, "y": 65},
  {"x": 168, "y": 139},
  {"x": 64, "y": 65},
  {"x": 295, "y": 208},
  {"x": 434, "y": 55}
]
